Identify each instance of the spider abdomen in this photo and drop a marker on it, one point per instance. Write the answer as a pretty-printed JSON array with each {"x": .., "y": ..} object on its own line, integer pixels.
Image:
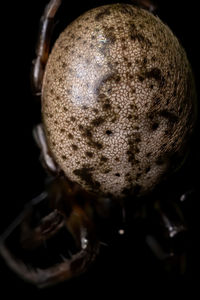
[{"x": 117, "y": 100}]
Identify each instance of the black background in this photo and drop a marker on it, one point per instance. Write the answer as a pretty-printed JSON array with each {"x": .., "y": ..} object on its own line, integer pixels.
[{"x": 22, "y": 176}]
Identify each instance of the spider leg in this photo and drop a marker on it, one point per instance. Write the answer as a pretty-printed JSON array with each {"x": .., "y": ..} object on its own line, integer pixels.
[
  {"x": 45, "y": 157},
  {"x": 146, "y": 4},
  {"x": 41, "y": 197},
  {"x": 46, "y": 245},
  {"x": 168, "y": 236},
  {"x": 43, "y": 45}
]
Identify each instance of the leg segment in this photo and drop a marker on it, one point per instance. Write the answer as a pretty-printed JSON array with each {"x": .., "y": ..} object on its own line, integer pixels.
[
  {"x": 146, "y": 4},
  {"x": 46, "y": 159},
  {"x": 43, "y": 45}
]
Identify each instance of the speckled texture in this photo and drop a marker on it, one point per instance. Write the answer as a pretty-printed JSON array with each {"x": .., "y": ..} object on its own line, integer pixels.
[{"x": 117, "y": 100}]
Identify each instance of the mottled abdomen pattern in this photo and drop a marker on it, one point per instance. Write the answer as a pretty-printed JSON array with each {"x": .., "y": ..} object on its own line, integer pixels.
[{"x": 117, "y": 101}]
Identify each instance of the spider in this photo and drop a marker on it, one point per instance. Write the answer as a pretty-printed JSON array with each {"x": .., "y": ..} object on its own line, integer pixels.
[{"x": 69, "y": 226}]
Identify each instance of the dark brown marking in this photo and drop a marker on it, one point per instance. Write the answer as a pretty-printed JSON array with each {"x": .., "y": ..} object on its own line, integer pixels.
[
  {"x": 151, "y": 115},
  {"x": 137, "y": 36},
  {"x": 136, "y": 127},
  {"x": 170, "y": 116},
  {"x": 106, "y": 106},
  {"x": 117, "y": 174},
  {"x": 86, "y": 132},
  {"x": 107, "y": 171},
  {"x": 97, "y": 145},
  {"x": 117, "y": 79},
  {"x": 133, "y": 147},
  {"x": 108, "y": 132},
  {"x": 101, "y": 96},
  {"x": 70, "y": 136},
  {"x": 156, "y": 100},
  {"x": 73, "y": 119},
  {"x": 148, "y": 154},
  {"x": 144, "y": 61},
  {"x": 147, "y": 170},
  {"x": 64, "y": 157},
  {"x": 95, "y": 110},
  {"x": 156, "y": 74},
  {"x": 166, "y": 132},
  {"x": 80, "y": 127},
  {"x": 89, "y": 154},
  {"x": 168, "y": 100},
  {"x": 131, "y": 156},
  {"x": 85, "y": 174},
  {"x": 102, "y": 14},
  {"x": 97, "y": 121},
  {"x": 141, "y": 77},
  {"x": 162, "y": 148},
  {"x": 110, "y": 36},
  {"x": 104, "y": 158},
  {"x": 154, "y": 126},
  {"x": 126, "y": 9},
  {"x": 74, "y": 147},
  {"x": 137, "y": 150}
]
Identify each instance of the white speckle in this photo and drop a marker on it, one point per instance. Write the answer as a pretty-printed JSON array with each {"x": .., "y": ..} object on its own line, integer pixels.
[
  {"x": 121, "y": 231},
  {"x": 183, "y": 198},
  {"x": 84, "y": 243}
]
